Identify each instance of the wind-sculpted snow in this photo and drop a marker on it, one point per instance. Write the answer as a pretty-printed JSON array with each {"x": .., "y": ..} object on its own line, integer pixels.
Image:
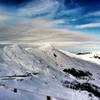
[{"x": 48, "y": 71}]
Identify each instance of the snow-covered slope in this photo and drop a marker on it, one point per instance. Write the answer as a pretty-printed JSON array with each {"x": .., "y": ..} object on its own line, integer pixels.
[
  {"x": 93, "y": 57},
  {"x": 48, "y": 71}
]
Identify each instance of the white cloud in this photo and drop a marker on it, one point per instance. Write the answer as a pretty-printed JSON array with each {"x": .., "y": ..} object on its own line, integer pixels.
[
  {"x": 91, "y": 25},
  {"x": 96, "y": 13},
  {"x": 34, "y": 8},
  {"x": 26, "y": 28},
  {"x": 41, "y": 22},
  {"x": 25, "y": 15},
  {"x": 4, "y": 18},
  {"x": 29, "y": 34}
]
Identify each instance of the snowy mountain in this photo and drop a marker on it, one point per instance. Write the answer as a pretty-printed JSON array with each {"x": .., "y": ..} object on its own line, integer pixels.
[
  {"x": 90, "y": 56},
  {"x": 34, "y": 73}
]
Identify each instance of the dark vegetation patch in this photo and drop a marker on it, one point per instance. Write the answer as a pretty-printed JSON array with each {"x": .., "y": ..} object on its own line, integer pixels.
[
  {"x": 27, "y": 74},
  {"x": 83, "y": 53},
  {"x": 95, "y": 90},
  {"x": 78, "y": 73},
  {"x": 54, "y": 55},
  {"x": 1, "y": 84},
  {"x": 97, "y": 57},
  {"x": 8, "y": 78}
]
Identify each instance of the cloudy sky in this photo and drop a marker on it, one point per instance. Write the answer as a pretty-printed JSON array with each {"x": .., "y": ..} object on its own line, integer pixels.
[{"x": 38, "y": 21}]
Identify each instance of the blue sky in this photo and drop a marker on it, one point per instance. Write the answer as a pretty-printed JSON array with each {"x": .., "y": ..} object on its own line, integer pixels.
[{"x": 72, "y": 15}]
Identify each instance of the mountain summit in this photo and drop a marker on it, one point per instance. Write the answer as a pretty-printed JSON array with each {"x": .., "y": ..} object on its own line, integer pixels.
[{"x": 47, "y": 46}]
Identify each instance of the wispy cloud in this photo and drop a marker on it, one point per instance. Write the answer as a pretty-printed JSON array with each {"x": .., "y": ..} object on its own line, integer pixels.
[
  {"x": 27, "y": 23},
  {"x": 40, "y": 22},
  {"x": 3, "y": 18},
  {"x": 29, "y": 34},
  {"x": 95, "y": 13},
  {"x": 91, "y": 25},
  {"x": 40, "y": 7},
  {"x": 37, "y": 14}
]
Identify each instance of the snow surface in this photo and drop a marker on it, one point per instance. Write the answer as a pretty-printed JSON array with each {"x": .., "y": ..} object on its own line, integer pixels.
[
  {"x": 91, "y": 57},
  {"x": 45, "y": 66}
]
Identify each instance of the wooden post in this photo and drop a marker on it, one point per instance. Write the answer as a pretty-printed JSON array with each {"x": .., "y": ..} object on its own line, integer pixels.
[
  {"x": 15, "y": 90},
  {"x": 48, "y": 98}
]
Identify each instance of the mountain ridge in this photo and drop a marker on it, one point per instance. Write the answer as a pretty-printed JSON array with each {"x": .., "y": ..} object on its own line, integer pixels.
[{"x": 48, "y": 69}]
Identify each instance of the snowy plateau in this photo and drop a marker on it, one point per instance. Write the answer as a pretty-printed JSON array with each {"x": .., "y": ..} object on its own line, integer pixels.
[{"x": 34, "y": 73}]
